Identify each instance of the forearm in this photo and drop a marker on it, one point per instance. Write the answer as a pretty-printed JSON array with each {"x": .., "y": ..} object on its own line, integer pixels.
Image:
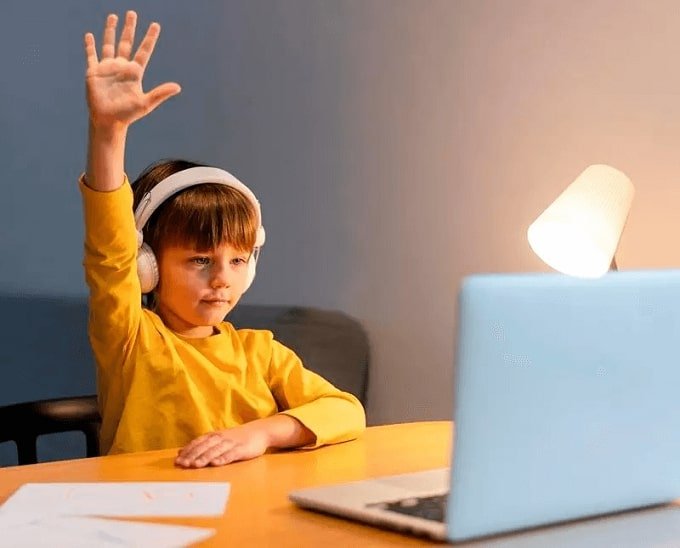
[
  {"x": 282, "y": 431},
  {"x": 105, "y": 157},
  {"x": 333, "y": 418}
]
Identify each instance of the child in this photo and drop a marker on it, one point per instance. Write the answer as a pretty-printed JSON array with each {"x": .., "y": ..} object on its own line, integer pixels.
[{"x": 173, "y": 373}]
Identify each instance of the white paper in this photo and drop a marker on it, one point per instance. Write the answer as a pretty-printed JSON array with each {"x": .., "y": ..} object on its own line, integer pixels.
[
  {"x": 19, "y": 529},
  {"x": 119, "y": 499}
]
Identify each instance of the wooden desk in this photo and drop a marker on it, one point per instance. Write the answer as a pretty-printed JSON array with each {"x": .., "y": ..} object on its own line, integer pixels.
[{"x": 259, "y": 513}]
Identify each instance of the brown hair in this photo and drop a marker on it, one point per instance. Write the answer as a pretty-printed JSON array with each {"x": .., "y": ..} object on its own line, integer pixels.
[{"x": 202, "y": 216}]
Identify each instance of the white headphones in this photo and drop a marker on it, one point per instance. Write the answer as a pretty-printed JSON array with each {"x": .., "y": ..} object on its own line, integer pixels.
[{"x": 147, "y": 266}]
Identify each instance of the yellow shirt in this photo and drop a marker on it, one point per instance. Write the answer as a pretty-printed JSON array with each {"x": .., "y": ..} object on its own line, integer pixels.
[{"x": 157, "y": 389}]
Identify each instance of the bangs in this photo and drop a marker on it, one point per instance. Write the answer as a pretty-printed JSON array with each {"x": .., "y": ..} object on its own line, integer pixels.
[{"x": 204, "y": 217}]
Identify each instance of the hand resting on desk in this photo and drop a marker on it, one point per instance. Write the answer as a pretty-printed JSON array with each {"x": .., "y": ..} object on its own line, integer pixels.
[{"x": 244, "y": 442}]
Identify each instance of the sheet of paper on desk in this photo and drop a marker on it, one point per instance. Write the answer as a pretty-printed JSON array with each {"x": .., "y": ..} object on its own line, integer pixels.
[
  {"x": 161, "y": 498},
  {"x": 19, "y": 529}
]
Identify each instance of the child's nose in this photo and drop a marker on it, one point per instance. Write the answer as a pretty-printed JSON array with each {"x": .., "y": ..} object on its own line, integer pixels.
[{"x": 220, "y": 275}]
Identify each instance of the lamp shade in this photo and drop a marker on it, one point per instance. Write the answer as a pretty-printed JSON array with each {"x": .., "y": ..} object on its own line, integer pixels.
[{"x": 579, "y": 232}]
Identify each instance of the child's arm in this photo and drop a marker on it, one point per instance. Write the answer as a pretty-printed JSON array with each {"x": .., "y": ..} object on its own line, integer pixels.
[
  {"x": 333, "y": 415},
  {"x": 115, "y": 100}
]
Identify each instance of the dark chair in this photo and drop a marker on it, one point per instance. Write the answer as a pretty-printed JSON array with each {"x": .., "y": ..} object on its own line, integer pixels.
[{"x": 22, "y": 423}]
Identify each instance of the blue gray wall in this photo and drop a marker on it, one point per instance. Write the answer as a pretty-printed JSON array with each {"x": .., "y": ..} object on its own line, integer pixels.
[
  {"x": 395, "y": 145},
  {"x": 328, "y": 110}
]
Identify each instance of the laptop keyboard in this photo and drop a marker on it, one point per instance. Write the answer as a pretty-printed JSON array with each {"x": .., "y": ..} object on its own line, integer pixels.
[{"x": 432, "y": 508}]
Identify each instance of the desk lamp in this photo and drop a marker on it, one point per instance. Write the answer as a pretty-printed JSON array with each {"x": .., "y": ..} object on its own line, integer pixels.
[{"x": 579, "y": 232}]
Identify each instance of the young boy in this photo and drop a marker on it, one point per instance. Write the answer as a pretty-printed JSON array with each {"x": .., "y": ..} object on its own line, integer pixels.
[{"x": 173, "y": 373}]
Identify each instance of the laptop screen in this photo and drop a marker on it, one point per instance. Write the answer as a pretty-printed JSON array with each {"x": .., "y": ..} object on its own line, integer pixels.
[{"x": 567, "y": 398}]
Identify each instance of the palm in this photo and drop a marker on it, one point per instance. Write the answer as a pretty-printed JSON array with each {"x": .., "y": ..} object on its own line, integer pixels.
[
  {"x": 114, "y": 91},
  {"x": 114, "y": 83}
]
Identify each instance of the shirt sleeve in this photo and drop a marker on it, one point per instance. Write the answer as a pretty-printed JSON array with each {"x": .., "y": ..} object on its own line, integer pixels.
[
  {"x": 332, "y": 415},
  {"x": 110, "y": 263}
]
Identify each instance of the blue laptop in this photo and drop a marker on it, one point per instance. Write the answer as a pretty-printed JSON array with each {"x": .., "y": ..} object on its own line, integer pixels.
[{"x": 567, "y": 407}]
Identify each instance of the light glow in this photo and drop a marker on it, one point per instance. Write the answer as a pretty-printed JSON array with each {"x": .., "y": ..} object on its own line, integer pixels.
[{"x": 579, "y": 232}]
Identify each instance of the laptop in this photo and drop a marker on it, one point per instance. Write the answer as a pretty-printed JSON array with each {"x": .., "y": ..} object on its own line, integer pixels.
[{"x": 567, "y": 406}]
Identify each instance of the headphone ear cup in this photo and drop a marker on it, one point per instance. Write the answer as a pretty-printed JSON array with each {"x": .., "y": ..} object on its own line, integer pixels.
[
  {"x": 147, "y": 269},
  {"x": 252, "y": 266},
  {"x": 260, "y": 237}
]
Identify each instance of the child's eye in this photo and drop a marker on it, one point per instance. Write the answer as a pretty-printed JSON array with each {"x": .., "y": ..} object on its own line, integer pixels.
[
  {"x": 238, "y": 261},
  {"x": 201, "y": 261}
]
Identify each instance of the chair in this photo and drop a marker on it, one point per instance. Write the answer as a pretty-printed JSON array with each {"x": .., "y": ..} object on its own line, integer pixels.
[{"x": 22, "y": 423}]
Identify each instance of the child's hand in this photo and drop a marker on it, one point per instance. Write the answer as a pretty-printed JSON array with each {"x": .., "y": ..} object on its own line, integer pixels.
[
  {"x": 114, "y": 83},
  {"x": 223, "y": 447}
]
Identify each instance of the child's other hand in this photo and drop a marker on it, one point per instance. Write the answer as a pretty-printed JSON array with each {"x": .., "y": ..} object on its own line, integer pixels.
[
  {"x": 223, "y": 447},
  {"x": 114, "y": 83}
]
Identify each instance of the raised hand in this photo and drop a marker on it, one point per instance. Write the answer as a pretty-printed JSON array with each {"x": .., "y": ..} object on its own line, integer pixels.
[{"x": 114, "y": 83}]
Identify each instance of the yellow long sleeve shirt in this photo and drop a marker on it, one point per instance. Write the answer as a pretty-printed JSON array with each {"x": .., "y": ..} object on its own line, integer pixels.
[{"x": 159, "y": 390}]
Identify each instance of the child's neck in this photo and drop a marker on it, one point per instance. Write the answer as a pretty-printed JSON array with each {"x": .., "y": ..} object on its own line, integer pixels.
[{"x": 200, "y": 332}]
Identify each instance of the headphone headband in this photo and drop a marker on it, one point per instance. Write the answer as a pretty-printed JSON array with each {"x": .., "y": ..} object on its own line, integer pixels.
[{"x": 191, "y": 177}]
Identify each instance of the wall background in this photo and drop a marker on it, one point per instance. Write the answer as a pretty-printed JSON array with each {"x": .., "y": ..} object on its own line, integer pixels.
[{"x": 395, "y": 146}]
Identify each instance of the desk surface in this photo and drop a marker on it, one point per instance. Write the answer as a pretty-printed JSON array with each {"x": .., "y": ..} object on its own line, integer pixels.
[{"x": 259, "y": 513}]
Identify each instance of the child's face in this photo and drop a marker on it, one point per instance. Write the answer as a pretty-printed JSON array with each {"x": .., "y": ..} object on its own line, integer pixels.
[{"x": 198, "y": 288}]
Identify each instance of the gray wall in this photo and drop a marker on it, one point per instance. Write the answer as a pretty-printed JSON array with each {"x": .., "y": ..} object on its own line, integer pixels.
[{"x": 395, "y": 145}]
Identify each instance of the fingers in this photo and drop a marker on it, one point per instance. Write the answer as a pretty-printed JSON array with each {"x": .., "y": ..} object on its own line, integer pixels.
[
  {"x": 202, "y": 450},
  {"x": 189, "y": 448},
  {"x": 127, "y": 37},
  {"x": 198, "y": 446},
  {"x": 90, "y": 50},
  {"x": 235, "y": 453},
  {"x": 148, "y": 44},
  {"x": 109, "y": 40},
  {"x": 125, "y": 44},
  {"x": 215, "y": 452},
  {"x": 161, "y": 93},
  {"x": 225, "y": 452}
]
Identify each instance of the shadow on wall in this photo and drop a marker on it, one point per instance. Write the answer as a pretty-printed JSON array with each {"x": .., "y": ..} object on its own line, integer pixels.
[{"x": 45, "y": 353}]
